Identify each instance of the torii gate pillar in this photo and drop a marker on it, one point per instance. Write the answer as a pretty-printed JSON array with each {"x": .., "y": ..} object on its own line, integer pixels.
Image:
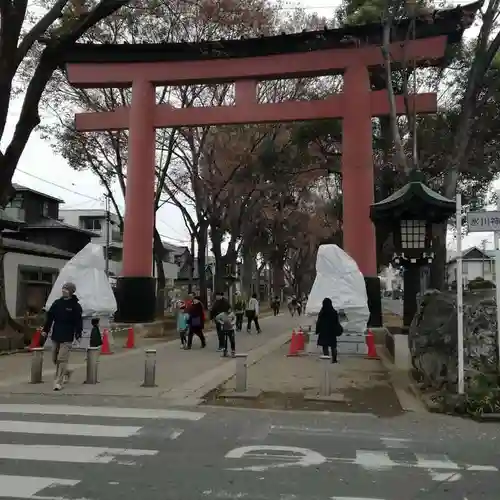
[{"x": 357, "y": 184}]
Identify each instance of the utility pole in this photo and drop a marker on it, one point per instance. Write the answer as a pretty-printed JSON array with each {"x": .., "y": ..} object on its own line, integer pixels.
[{"x": 106, "y": 198}]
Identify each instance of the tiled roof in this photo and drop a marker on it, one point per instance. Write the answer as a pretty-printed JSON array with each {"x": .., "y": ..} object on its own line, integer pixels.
[{"x": 12, "y": 244}]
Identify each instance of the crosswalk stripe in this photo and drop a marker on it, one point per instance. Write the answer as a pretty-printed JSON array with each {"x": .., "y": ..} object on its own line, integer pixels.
[
  {"x": 47, "y": 428},
  {"x": 101, "y": 411},
  {"x": 29, "y": 486},
  {"x": 72, "y": 454}
]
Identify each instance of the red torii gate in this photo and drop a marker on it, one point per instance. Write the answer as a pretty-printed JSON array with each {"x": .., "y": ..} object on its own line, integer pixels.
[{"x": 356, "y": 105}]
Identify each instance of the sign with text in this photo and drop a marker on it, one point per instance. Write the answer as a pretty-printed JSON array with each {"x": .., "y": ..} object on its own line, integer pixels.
[{"x": 483, "y": 221}]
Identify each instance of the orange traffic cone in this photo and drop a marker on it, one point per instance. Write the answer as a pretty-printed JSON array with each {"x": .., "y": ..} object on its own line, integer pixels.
[
  {"x": 301, "y": 341},
  {"x": 294, "y": 345},
  {"x": 370, "y": 343},
  {"x": 35, "y": 341},
  {"x": 105, "y": 348},
  {"x": 130, "y": 339}
]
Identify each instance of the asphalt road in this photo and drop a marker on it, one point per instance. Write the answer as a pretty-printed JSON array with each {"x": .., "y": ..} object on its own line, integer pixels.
[{"x": 53, "y": 452}]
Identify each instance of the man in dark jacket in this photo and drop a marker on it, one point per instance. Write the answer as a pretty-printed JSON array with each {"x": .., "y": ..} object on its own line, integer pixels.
[
  {"x": 65, "y": 319},
  {"x": 220, "y": 305}
]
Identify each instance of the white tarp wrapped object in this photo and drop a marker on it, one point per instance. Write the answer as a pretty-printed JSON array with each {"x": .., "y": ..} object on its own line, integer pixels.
[
  {"x": 339, "y": 278},
  {"x": 87, "y": 271}
]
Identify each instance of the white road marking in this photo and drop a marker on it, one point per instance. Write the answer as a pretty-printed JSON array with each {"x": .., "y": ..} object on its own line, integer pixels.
[
  {"x": 374, "y": 460},
  {"x": 426, "y": 461},
  {"x": 175, "y": 434},
  {"x": 481, "y": 468},
  {"x": 303, "y": 457},
  {"x": 395, "y": 443},
  {"x": 355, "y": 498},
  {"x": 70, "y": 454},
  {"x": 29, "y": 486},
  {"x": 445, "y": 477},
  {"x": 101, "y": 411},
  {"x": 25, "y": 427}
]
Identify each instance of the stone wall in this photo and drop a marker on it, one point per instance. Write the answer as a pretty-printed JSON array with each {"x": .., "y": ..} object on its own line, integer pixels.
[{"x": 433, "y": 340}]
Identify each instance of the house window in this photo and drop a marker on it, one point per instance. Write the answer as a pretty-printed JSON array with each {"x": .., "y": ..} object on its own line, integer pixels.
[
  {"x": 91, "y": 223},
  {"x": 465, "y": 268},
  {"x": 486, "y": 267},
  {"x": 16, "y": 202},
  {"x": 34, "y": 288}
]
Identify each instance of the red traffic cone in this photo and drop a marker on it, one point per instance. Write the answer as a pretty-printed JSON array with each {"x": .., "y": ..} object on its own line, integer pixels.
[
  {"x": 301, "y": 341},
  {"x": 130, "y": 339},
  {"x": 35, "y": 341},
  {"x": 294, "y": 345},
  {"x": 370, "y": 343},
  {"x": 105, "y": 348}
]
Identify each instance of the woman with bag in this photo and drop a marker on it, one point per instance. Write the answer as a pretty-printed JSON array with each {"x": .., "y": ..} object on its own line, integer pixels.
[
  {"x": 328, "y": 328},
  {"x": 196, "y": 323},
  {"x": 253, "y": 314}
]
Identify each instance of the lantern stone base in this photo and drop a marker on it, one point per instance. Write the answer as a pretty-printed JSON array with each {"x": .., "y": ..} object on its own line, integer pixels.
[{"x": 374, "y": 300}]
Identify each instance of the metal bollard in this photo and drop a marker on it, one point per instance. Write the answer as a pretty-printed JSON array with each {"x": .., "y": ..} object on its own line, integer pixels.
[
  {"x": 36, "y": 365},
  {"x": 241, "y": 372},
  {"x": 325, "y": 384},
  {"x": 150, "y": 368},
  {"x": 92, "y": 362}
]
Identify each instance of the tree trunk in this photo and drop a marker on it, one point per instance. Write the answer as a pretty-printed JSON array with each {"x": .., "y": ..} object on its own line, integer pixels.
[
  {"x": 248, "y": 270},
  {"x": 202, "y": 238},
  {"x": 219, "y": 279},
  {"x": 191, "y": 264},
  {"x": 161, "y": 282},
  {"x": 438, "y": 266}
]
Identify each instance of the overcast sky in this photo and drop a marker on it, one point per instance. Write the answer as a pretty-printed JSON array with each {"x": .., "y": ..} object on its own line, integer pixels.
[{"x": 44, "y": 171}]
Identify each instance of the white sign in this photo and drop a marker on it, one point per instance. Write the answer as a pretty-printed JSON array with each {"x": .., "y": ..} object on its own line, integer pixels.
[
  {"x": 301, "y": 457},
  {"x": 482, "y": 222}
]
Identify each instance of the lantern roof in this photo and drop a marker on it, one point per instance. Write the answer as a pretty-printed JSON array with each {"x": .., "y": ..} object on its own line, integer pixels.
[
  {"x": 413, "y": 198},
  {"x": 447, "y": 22}
]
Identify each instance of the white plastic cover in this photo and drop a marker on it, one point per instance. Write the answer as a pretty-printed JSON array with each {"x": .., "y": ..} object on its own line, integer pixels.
[
  {"x": 339, "y": 278},
  {"x": 86, "y": 271}
]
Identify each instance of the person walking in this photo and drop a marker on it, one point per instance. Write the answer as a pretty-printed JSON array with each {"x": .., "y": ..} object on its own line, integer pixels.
[
  {"x": 275, "y": 305},
  {"x": 253, "y": 314},
  {"x": 221, "y": 304},
  {"x": 239, "y": 311},
  {"x": 328, "y": 328},
  {"x": 228, "y": 321},
  {"x": 196, "y": 323},
  {"x": 64, "y": 318},
  {"x": 182, "y": 324}
]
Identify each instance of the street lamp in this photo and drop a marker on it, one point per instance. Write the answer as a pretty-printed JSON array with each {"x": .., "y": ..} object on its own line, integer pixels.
[{"x": 410, "y": 215}]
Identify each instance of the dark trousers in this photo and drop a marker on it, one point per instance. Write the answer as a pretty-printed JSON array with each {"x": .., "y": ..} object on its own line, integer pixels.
[
  {"x": 198, "y": 333},
  {"x": 276, "y": 309},
  {"x": 326, "y": 352},
  {"x": 229, "y": 337},
  {"x": 239, "y": 321},
  {"x": 251, "y": 316},
  {"x": 182, "y": 336},
  {"x": 220, "y": 335}
]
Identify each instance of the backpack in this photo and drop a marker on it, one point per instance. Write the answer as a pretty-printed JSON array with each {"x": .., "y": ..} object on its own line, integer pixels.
[{"x": 227, "y": 324}]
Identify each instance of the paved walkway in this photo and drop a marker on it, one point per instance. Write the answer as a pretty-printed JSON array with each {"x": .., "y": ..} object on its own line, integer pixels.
[{"x": 180, "y": 375}]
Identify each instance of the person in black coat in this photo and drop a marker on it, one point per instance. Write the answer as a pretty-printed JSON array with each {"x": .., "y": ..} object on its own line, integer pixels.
[
  {"x": 196, "y": 323},
  {"x": 328, "y": 328},
  {"x": 64, "y": 318},
  {"x": 220, "y": 305}
]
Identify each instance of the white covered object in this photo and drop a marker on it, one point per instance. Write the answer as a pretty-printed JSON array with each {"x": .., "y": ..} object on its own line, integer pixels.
[
  {"x": 339, "y": 278},
  {"x": 87, "y": 271}
]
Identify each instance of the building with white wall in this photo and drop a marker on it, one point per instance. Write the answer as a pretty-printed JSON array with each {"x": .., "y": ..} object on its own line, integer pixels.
[{"x": 476, "y": 263}]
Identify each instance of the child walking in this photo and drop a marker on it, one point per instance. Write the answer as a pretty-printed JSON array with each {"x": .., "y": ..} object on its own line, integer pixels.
[
  {"x": 182, "y": 324},
  {"x": 228, "y": 322},
  {"x": 95, "y": 333}
]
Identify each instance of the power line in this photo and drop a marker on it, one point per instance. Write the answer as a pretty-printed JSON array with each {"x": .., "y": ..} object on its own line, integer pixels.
[{"x": 99, "y": 200}]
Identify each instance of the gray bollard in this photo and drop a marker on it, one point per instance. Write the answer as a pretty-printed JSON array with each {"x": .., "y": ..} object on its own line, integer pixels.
[
  {"x": 325, "y": 384},
  {"x": 92, "y": 362},
  {"x": 36, "y": 365},
  {"x": 241, "y": 372},
  {"x": 150, "y": 368}
]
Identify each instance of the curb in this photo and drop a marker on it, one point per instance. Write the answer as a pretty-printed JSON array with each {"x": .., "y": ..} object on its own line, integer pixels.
[{"x": 408, "y": 395}]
